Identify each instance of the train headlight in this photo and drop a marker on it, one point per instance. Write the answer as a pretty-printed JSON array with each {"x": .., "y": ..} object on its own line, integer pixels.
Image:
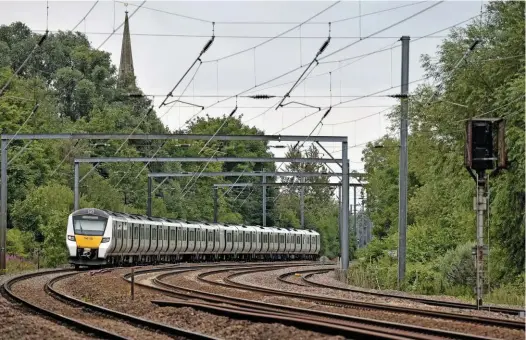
[
  {"x": 105, "y": 240},
  {"x": 71, "y": 237}
]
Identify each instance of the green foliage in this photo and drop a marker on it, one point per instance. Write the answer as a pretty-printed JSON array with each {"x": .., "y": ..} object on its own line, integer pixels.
[
  {"x": 20, "y": 242},
  {"x": 441, "y": 220}
]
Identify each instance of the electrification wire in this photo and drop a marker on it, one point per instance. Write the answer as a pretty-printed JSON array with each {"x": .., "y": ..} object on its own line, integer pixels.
[
  {"x": 413, "y": 40},
  {"x": 359, "y": 57},
  {"x": 314, "y": 60},
  {"x": 450, "y": 74},
  {"x": 64, "y": 159},
  {"x": 118, "y": 27},
  {"x": 200, "y": 36},
  {"x": 170, "y": 13},
  {"x": 193, "y": 179},
  {"x": 271, "y": 80},
  {"x": 35, "y": 109},
  {"x": 271, "y": 39},
  {"x": 164, "y": 114},
  {"x": 278, "y": 22},
  {"x": 85, "y": 16},
  {"x": 219, "y": 129},
  {"x": 37, "y": 45},
  {"x": 385, "y": 28},
  {"x": 203, "y": 51},
  {"x": 122, "y": 144},
  {"x": 288, "y": 107}
]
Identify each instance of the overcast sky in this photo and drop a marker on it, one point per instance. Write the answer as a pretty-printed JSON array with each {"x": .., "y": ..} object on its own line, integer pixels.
[{"x": 173, "y": 42}]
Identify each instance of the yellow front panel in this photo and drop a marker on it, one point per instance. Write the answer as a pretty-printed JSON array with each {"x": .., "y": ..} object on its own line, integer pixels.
[{"x": 84, "y": 241}]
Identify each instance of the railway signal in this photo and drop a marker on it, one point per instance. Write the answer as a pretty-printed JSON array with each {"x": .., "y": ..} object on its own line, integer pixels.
[{"x": 485, "y": 149}]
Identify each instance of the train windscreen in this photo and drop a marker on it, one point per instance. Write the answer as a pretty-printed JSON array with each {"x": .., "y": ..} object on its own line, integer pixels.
[{"x": 89, "y": 225}]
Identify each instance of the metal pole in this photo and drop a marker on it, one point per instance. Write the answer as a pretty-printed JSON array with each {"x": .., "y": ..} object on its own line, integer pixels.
[
  {"x": 215, "y": 205},
  {"x": 345, "y": 208},
  {"x": 302, "y": 204},
  {"x": 149, "y": 202},
  {"x": 480, "y": 207},
  {"x": 3, "y": 207},
  {"x": 264, "y": 204},
  {"x": 76, "y": 196},
  {"x": 402, "y": 210},
  {"x": 340, "y": 214},
  {"x": 132, "y": 283},
  {"x": 358, "y": 231}
]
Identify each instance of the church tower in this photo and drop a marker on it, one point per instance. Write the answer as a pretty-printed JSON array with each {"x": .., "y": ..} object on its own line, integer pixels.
[{"x": 126, "y": 74}]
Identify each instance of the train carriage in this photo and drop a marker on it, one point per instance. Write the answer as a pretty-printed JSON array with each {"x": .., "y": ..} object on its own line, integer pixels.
[{"x": 98, "y": 237}]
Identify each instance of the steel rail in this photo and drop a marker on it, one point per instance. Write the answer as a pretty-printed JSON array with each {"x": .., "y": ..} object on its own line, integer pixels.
[
  {"x": 128, "y": 318},
  {"x": 351, "y": 303},
  {"x": 460, "y": 305},
  {"x": 342, "y": 319},
  {"x": 309, "y": 324},
  {"x": 78, "y": 325}
]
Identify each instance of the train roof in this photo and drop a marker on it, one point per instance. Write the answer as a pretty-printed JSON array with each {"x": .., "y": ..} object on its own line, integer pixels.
[{"x": 107, "y": 213}]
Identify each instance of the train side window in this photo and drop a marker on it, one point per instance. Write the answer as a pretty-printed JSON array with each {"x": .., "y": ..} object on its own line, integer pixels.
[{"x": 172, "y": 234}]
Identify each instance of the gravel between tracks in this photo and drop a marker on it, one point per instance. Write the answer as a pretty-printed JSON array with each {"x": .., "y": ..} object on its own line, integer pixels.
[
  {"x": 33, "y": 290},
  {"x": 269, "y": 279},
  {"x": 87, "y": 287},
  {"x": 330, "y": 279},
  {"x": 18, "y": 323}
]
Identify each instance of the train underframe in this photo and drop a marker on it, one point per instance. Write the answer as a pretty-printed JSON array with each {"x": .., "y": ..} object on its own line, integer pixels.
[{"x": 134, "y": 259}]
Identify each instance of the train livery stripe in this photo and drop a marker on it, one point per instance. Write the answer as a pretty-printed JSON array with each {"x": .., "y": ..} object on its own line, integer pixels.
[{"x": 84, "y": 241}]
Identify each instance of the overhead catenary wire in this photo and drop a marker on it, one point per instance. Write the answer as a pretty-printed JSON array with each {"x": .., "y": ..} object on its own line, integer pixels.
[
  {"x": 143, "y": 118},
  {"x": 245, "y": 91},
  {"x": 118, "y": 27},
  {"x": 33, "y": 111},
  {"x": 385, "y": 28},
  {"x": 198, "y": 59},
  {"x": 85, "y": 16},
  {"x": 10, "y": 79},
  {"x": 314, "y": 60},
  {"x": 275, "y": 37},
  {"x": 200, "y": 36},
  {"x": 277, "y": 22}
]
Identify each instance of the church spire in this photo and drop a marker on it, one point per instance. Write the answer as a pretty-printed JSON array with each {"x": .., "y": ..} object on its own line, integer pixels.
[{"x": 126, "y": 73}]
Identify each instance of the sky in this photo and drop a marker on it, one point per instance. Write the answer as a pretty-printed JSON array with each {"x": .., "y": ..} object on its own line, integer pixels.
[{"x": 167, "y": 36}]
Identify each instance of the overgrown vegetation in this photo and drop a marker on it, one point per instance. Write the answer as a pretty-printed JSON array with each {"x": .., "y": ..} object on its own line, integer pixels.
[
  {"x": 490, "y": 83},
  {"x": 76, "y": 89}
]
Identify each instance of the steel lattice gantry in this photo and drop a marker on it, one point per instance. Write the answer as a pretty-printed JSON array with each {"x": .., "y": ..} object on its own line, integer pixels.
[{"x": 7, "y": 138}]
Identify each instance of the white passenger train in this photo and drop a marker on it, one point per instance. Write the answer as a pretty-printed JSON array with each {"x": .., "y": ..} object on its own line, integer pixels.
[{"x": 98, "y": 237}]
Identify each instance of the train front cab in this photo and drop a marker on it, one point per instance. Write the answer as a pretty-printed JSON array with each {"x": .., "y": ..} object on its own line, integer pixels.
[{"x": 88, "y": 237}]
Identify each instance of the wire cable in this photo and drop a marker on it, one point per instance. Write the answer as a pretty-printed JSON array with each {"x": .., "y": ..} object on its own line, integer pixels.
[
  {"x": 273, "y": 38},
  {"x": 116, "y": 29},
  {"x": 37, "y": 45},
  {"x": 35, "y": 109},
  {"x": 385, "y": 28},
  {"x": 203, "y": 51},
  {"x": 85, "y": 16}
]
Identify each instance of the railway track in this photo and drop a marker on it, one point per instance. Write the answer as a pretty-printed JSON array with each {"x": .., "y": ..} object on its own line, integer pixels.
[
  {"x": 306, "y": 276},
  {"x": 359, "y": 304},
  {"x": 326, "y": 322},
  {"x": 97, "y": 322}
]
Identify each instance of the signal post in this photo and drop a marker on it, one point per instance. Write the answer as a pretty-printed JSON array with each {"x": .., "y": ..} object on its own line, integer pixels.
[{"x": 483, "y": 152}]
